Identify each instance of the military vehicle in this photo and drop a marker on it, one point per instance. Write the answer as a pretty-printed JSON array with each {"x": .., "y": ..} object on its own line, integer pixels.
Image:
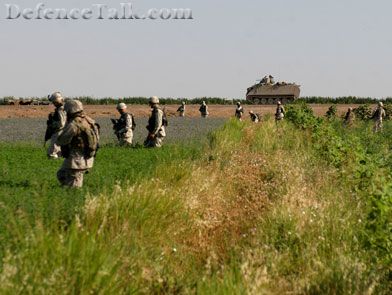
[
  {"x": 11, "y": 101},
  {"x": 271, "y": 93}
]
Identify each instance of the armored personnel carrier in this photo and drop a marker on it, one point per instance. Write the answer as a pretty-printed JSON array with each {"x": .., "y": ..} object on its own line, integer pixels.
[{"x": 271, "y": 93}]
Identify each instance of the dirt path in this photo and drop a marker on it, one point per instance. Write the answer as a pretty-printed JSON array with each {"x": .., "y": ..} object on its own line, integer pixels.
[{"x": 99, "y": 111}]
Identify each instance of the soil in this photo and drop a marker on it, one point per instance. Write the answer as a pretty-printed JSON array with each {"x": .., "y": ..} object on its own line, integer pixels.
[{"x": 106, "y": 111}]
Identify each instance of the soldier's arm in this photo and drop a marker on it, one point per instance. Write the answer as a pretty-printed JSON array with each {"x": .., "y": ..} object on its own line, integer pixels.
[{"x": 68, "y": 133}]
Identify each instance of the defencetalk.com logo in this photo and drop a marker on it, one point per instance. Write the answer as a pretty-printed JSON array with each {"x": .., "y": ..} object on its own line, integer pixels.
[{"x": 124, "y": 11}]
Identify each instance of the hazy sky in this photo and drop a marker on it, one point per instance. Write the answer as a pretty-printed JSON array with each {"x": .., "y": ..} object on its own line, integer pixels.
[{"x": 331, "y": 48}]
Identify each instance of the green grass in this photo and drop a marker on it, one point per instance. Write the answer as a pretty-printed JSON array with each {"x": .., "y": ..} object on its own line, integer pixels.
[{"x": 304, "y": 207}]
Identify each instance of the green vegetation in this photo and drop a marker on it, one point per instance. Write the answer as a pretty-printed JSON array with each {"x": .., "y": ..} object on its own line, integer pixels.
[{"x": 304, "y": 206}]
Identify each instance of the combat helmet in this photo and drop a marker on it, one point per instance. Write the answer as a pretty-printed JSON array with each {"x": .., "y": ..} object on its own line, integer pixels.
[
  {"x": 153, "y": 100},
  {"x": 56, "y": 97},
  {"x": 73, "y": 107},
  {"x": 121, "y": 106}
]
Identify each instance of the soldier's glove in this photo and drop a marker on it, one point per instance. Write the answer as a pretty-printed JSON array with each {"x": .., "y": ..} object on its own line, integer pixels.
[{"x": 151, "y": 136}]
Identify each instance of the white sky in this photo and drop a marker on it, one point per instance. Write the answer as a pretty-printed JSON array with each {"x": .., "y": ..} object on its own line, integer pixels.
[{"x": 331, "y": 48}]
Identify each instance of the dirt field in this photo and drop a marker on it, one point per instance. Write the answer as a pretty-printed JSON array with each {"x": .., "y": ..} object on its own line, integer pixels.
[{"x": 105, "y": 111}]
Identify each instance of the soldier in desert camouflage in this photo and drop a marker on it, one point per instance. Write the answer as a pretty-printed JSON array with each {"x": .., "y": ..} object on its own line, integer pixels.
[
  {"x": 79, "y": 143},
  {"x": 55, "y": 125},
  {"x": 280, "y": 112},
  {"x": 349, "y": 118},
  {"x": 181, "y": 109},
  {"x": 255, "y": 118},
  {"x": 124, "y": 126},
  {"x": 378, "y": 117},
  {"x": 239, "y": 111},
  {"x": 204, "y": 110},
  {"x": 156, "y": 125}
]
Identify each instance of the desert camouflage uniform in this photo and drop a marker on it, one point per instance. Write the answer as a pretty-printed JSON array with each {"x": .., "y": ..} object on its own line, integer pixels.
[
  {"x": 239, "y": 112},
  {"x": 349, "y": 118},
  {"x": 60, "y": 118},
  {"x": 280, "y": 112},
  {"x": 126, "y": 132},
  {"x": 181, "y": 110},
  {"x": 378, "y": 117},
  {"x": 204, "y": 110},
  {"x": 255, "y": 118},
  {"x": 76, "y": 164},
  {"x": 156, "y": 129}
]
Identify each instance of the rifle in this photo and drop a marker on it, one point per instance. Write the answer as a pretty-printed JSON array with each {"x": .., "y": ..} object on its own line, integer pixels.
[
  {"x": 49, "y": 127},
  {"x": 116, "y": 127}
]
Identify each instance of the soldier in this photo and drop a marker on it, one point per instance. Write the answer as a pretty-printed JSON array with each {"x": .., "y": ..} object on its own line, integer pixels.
[
  {"x": 280, "y": 112},
  {"x": 204, "y": 110},
  {"x": 271, "y": 79},
  {"x": 79, "y": 144},
  {"x": 378, "y": 117},
  {"x": 55, "y": 124},
  {"x": 264, "y": 80},
  {"x": 181, "y": 109},
  {"x": 156, "y": 125},
  {"x": 124, "y": 126},
  {"x": 239, "y": 111},
  {"x": 349, "y": 118},
  {"x": 255, "y": 118}
]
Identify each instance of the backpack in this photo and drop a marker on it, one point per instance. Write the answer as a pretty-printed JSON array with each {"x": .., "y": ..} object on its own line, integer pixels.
[{"x": 90, "y": 136}]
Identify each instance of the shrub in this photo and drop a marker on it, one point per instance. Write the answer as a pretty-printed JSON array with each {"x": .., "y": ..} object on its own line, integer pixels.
[{"x": 363, "y": 112}]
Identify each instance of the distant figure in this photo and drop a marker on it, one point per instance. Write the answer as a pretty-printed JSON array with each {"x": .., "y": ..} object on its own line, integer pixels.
[
  {"x": 204, "y": 110},
  {"x": 349, "y": 118},
  {"x": 264, "y": 80},
  {"x": 55, "y": 124},
  {"x": 156, "y": 125},
  {"x": 378, "y": 117},
  {"x": 124, "y": 126},
  {"x": 271, "y": 80},
  {"x": 181, "y": 109},
  {"x": 79, "y": 143},
  {"x": 239, "y": 111},
  {"x": 255, "y": 118},
  {"x": 280, "y": 112}
]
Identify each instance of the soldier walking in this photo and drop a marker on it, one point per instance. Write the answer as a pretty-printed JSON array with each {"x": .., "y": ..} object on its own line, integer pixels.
[
  {"x": 124, "y": 126},
  {"x": 204, "y": 110},
  {"x": 79, "y": 143},
  {"x": 181, "y": 109},
  {"x": 378, "y": 117},
  {"x": 349, "y": 118},
  {"x": 156, "y": 125},
  {"x": 55, "y": 124},
  {"x": 239, "y": 111},
  {"x": 280, "y": 112}
]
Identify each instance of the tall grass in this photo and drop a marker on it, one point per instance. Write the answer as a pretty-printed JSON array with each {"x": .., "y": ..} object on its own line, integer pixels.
[{"x": 261, "y": 208}]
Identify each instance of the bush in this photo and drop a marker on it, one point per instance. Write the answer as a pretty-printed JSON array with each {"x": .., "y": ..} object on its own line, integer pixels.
[
  {"x": 331, "y": 113},
  {"x": 302, "y": 116},
  {"x": 363, "y": 112}
]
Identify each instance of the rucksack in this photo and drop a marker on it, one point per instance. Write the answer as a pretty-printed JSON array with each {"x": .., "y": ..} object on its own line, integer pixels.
[{"x": 90, "y": 136}]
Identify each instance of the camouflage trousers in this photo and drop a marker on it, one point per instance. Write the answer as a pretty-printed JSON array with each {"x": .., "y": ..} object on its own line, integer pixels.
[
  {"x": 154, "y": 143},
  {"x": 71, "y": 177},
  {"x": 182, "y": 114},
  {"x": 126, "y": 141},
  {"x": 204, "y": 115},
  {"x": 377, "y": 126},
  {"x": 54, "y": 151}
]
